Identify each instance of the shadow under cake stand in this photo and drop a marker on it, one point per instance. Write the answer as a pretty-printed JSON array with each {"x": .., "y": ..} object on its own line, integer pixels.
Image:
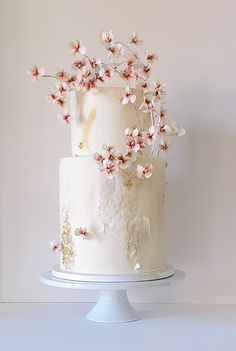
[{"x": 112, "y": 305}]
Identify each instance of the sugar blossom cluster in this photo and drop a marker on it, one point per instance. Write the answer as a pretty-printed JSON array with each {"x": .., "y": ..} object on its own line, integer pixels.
[
  {"x": 136, "y": 141},
  {"x": 110, "y": 160},
  {"x": 136, "y": 72}
]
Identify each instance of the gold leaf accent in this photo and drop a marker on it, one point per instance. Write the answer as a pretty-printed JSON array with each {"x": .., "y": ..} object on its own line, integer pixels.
[
  {"x": 67, "y": 246},
  {"x": 128, "y": 182},
  {"x": 81, "y": 145}
]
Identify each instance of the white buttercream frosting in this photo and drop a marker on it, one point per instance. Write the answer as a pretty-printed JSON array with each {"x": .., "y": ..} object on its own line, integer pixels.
[{"x": 123, "y": 215}]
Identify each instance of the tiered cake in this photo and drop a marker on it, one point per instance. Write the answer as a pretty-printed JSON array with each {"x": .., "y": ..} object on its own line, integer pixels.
[{"x": 112, "y": 187}]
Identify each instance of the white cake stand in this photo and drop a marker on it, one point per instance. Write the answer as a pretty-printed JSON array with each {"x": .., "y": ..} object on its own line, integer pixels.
[{"x": 112, "y": 305}]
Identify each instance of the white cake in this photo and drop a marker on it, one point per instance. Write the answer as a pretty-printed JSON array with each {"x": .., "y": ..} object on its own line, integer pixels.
[
  {"x": 112, "y": 188},
  {"x": 123, "y": 215}
]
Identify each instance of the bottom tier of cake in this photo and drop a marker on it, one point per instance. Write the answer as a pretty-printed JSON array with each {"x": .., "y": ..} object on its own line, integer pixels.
[{"x": 111, "y": 226}]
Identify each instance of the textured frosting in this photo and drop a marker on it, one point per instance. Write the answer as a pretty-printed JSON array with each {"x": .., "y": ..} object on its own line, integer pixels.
[
  {"x": 99, "y": 117},
  {"x": 124, "y": 216}
]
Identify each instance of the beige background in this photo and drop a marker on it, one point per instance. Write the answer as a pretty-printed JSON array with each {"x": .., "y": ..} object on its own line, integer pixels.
[{"x": 196, "y": 44}]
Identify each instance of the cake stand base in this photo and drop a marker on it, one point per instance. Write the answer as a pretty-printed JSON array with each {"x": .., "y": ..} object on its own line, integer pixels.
[{"x": 112, "y": 305}]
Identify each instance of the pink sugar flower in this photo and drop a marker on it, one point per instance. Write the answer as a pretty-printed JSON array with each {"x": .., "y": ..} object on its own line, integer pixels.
[
  {"x": 144, "y": 172},
  {"x": 36, "y": 72},
  {"x": 82, "y": 232},
  {"x": 99, "y": 158},
  {"x": 62, "y": 87},
  {"x": 72, "y": 79},
  {"x": 79, "y": 64},
  {"x": 65, "y": 117},
  {"x": 55, "y": 246},
  {"x": 80, "y": 82},
  {"x": 151, "y": 57},
  {"x": 143, "y": 85},
  {"x": 62, "y": 75},
  {"x": 164, "y": 145},
  {"x": 110, "y": 169},
  {"x": 162, "y": 113},
  {"x": 128, "y": 97},
  {"x": 108, "y": 147},
  {"x": 146, "y": 69},
  {"x": 132, "y": 59},
  {"x": 53, "y": 96},
  {"x": 127, "y": 73},
  {"x": 163, "y": 129},
  {"x": 95, "y": 63},
  {"x": 131, "y": 156},
  {"x": 77, "y": 47},
  {"x": 60, "y": 101},
  {"x": 114, "y": 49},
  {"x": 124, "y": 160},
  {"x": 148, "y": 105},
  {"x": 151, "y": 135},
  {"x": 158, "y": 90},
  {"x": 107, "y": 37},
  {"x": 133, "y": 144},
  {"x": 106, "y": 73},
  {"x": 135, "y": 39},
  {"x": 91, "y": 83}
]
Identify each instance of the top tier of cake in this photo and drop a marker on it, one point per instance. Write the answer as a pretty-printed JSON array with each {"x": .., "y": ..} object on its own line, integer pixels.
[{"x": 99, "y": 117}]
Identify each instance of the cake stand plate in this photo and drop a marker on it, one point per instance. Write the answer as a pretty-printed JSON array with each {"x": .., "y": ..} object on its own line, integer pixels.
[
  {"x": 112, "y": 305},
  {"x": 164, "y": 272}
]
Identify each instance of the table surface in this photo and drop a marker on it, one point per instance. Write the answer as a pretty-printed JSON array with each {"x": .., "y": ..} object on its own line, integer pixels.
[{"x": 164, "y": 327}]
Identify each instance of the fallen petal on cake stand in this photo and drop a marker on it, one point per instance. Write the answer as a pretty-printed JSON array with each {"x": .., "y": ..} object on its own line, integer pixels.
[{"x": 112, "y": 305}]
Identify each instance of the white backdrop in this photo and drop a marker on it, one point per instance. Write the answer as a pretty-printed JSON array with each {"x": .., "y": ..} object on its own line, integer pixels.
[{"x": 195, "y": 41}]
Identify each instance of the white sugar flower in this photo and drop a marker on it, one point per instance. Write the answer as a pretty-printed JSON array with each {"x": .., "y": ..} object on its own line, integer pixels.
[
  {"x": 144, "y": 172},
  {"x": 175, "y": 130},
  {"x": 132, "y": 59},
  {"x": 36, "y": 72},
  {"x": 128, "y": 96},
  {"x": 107, "y": 37},
  {"x": 77, "y": 47},
  {"x": 151, "y": 135},
  {"x": 114, "y": 49},
  {"x": 135, "y": 39}
]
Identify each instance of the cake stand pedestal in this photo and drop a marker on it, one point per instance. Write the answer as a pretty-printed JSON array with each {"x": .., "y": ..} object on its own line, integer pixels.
[{"x": 112, "y": 305}]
